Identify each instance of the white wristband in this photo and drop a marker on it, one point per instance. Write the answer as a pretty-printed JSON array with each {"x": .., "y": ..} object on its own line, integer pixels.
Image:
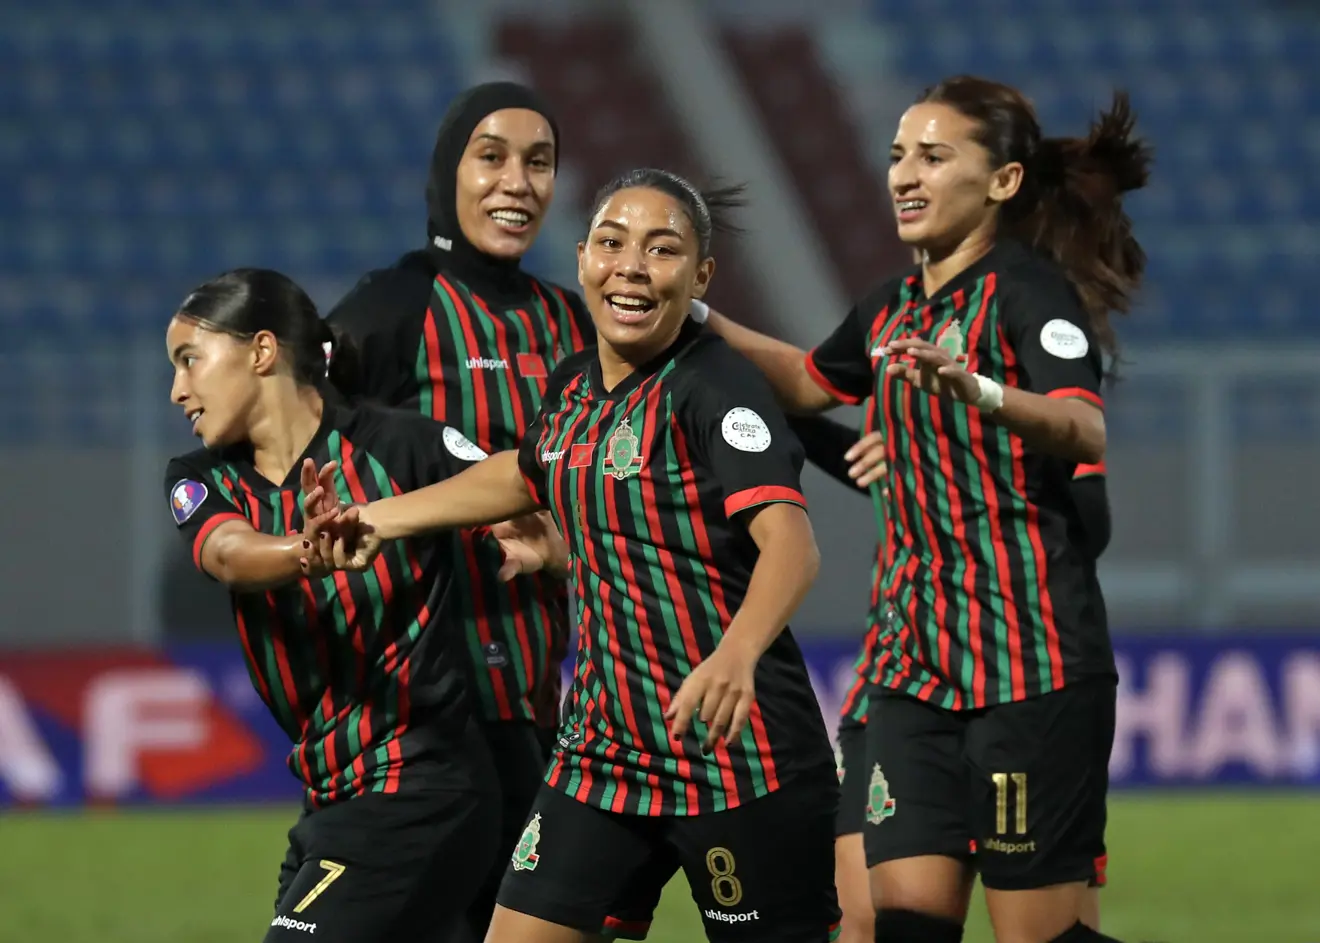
[
  {"x": 990, "y": 395},
  {"x": 699, "y": 311}
]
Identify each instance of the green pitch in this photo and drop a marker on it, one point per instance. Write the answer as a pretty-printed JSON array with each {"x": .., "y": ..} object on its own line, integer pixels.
[{"x": 1183, "y": 869}]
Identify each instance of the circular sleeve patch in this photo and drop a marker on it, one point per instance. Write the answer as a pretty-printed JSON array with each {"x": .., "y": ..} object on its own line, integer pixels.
[
  {"x": 461, "y": 447},
  {"x": 186, "y": 498},
  {"x": 745, "y": 430},
  {"x": 1064, "y": 339}
]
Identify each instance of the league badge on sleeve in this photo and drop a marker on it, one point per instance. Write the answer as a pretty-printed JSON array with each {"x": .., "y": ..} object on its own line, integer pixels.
[
  {"x": 1064, "y": 340},
  {"x": 461, "y": 447},
  {"x": 745, "y": 430},
  {"x": 186, "y": 498}
]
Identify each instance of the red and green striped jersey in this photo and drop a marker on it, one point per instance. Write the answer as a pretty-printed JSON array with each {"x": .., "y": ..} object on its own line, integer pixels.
[
  {"x": 432, "y": 344},
  {"x": 1092, "y": 516},
  {"x": 994, "y": 594},
  {"x": 364, "y": 671},
  {"x": 653, "y": 483}
]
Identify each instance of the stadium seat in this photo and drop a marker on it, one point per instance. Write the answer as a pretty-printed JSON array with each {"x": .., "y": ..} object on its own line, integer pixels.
[{"x": 164, "y": 141}]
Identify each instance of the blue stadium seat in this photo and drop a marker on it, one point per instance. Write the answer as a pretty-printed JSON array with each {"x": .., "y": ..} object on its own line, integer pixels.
[
  {"x": 163, "y": 141},
  {"x": 1229, "y": 95}
]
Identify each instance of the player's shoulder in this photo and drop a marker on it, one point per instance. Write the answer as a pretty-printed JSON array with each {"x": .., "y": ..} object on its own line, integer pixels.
[
  {"x": 402, "y": 288},
  {"x": 1022, "y": 270},
  {"x": 709, "y": 363},
  {"x": 374, "y": 424},
  {"x": 195, "y": 464}
]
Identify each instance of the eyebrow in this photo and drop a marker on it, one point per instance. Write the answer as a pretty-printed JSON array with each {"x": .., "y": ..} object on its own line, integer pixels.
[
  {"x": 651, "y": 234},
  {"x": 922, "y": 145},
  {"x": 485, "y": 136},
  {"x": 179, "y": 351}
]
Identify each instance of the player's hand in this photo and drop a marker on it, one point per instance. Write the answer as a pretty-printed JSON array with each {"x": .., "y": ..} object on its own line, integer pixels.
[
  {"x": 932, "y": 369},
  {"x": 356, "y": 543},
  {"x": 868, "y": 458},
  {"x": 720, "y": 691},
  {"x": 320, "y": 507},
  {"x": 531, "y": 543}
]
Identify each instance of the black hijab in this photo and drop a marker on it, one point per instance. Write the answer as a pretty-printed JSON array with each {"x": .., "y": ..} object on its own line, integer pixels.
[{"x": 447, "y": 247}]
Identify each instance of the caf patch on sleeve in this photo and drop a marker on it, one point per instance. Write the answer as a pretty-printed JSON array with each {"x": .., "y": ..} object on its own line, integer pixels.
[
  {"x": 745, "y": 430},
  {"x": 186, "y": 498},
  {"x": 461, "y": 447},
  {"x": 1064, "y": 339}
]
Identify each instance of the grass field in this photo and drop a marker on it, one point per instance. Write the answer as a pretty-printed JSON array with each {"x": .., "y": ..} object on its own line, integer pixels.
[{"x": 1183, "y": 869}]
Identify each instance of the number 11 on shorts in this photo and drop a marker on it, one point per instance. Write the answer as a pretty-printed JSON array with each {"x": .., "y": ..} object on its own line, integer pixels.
[{"x": 1001, "y": 781}]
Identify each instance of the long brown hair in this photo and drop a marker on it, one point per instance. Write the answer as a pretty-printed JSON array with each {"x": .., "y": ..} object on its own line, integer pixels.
[{"x": 1070, "y": 204}]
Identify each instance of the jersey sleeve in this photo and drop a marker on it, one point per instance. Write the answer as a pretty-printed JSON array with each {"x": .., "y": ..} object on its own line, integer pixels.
[
  {"x": 197, "y": 504},
  {"x": 1051, "y": 336},
  {"x": 1091, "y": 498},
  {"x": 841, "y": 364},
  {"x": 383, "y": 315},
  {"x": 738, "y": 432},
  {"x": 825, "y": 442}
]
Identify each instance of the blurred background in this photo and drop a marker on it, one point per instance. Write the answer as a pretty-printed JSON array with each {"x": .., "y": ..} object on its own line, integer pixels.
[{"x": 146, "y": 145}]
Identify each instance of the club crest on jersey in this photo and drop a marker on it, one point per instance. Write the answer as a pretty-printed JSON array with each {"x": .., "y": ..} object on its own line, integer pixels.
[
  {"x": 951, "y": 340},
  {"x": 623, "y": 453},
  {"x": 186, "y": 498},
  {"x": 879, "y": 804},
  {"x": 525, "y": 857}
]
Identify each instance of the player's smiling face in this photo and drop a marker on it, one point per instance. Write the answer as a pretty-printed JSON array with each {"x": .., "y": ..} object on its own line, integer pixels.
[
  {"x": 214, "y": 380},
  {"x": 640, "y": 268},
  {"x": 941, "y": 178},
  {"x": 506, "y": 182}
]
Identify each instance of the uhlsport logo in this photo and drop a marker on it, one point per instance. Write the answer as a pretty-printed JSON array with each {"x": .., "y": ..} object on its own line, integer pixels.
[
  {"x": 525, "y": 857},
  {"x": 879, "y": 806},
  {"x": 285, "y": 923},
  {"x": 486, "y": 363},
  {"x": 720, "y": 916}
]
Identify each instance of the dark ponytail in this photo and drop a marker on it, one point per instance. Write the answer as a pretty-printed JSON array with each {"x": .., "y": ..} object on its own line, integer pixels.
[
  {"x": 246, "y": 301},
  {"x": 1070, "y": 204},
  {"x": 710, "y": 210}
]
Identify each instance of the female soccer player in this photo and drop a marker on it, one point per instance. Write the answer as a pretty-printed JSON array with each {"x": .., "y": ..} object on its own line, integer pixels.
[
  {"x": 993, "y": 717},
  {"x": 361, "y": 670},
  {"x": 692, "y": 739},
  {"x": 459, "y": 332}
]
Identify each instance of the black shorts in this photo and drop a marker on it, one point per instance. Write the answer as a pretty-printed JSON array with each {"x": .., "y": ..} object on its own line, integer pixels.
[
  {"x": 763, "y": 871},
  {"x": 850, "y": 756},
  {"x": 521, "y": 752},
  {"x": 384, "y": 867},
  {"x": 1024, "y": 784}
]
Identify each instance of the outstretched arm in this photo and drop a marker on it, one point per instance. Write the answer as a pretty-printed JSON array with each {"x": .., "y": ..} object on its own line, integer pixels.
[
  {"x": 783, "y": 364},
  {"x": 837, "y": 451},
  {"x": 487, "y": 493}
]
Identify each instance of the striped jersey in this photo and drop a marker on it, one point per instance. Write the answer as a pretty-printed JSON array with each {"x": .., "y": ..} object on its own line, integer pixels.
[
  {"x": 363, "y": 671},
  {"x": 431, "y": 344},
  {"x": 995, "y": 599},
  {"x": 1091, "y": 502},
  {"x": 652, "y": 483}
]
